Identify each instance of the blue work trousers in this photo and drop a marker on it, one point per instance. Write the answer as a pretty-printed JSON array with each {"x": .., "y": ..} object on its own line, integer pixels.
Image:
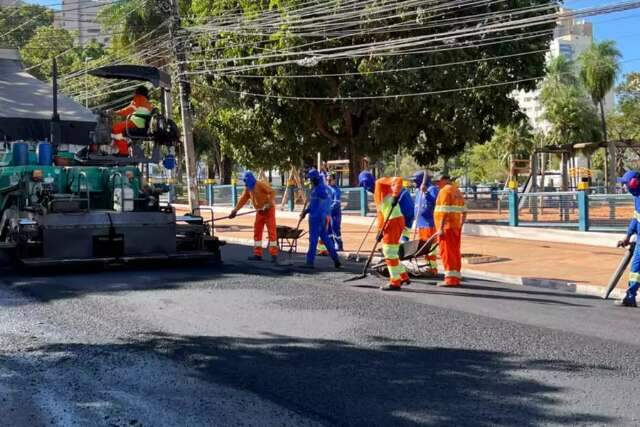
[
  {"x": 318, "y": 230},
  {"x": 335, "y": 227},
  {"x": 634, "y": 275}
]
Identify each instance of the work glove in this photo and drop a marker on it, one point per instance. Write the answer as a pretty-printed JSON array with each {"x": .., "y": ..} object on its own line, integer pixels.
[
  {"x": 625, "y": 242},
  {"x": 233, "y": 214},
  {"x": 396, "y": 199},
  {"x": 267, "y": 206}
]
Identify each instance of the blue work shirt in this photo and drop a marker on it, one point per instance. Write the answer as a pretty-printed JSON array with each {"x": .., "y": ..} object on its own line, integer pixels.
[
  {"x": 425, "y": 204},
  {"x": 319, "y": 202},
  {"x": 336, "y": 195},
  {"x": 407, "y": 207},
  {"x": 633, "y": 224}
]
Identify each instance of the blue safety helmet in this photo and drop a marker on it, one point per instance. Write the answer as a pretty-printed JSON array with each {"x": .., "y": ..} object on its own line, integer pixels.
[
  {"x": 314, "y": 176},
  {"x": 249, "y": 180},
  {"x": 367, "y": 180},
  {"x": 418, "y": 178},
  {"x": 632, "y": 180}
]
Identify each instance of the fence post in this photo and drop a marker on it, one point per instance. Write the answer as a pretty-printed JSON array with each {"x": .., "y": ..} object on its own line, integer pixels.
[
  {"x": 234, "y": 194},
  {"x": 583, "y": 210},
  {"x": 513, "y": 208},
  {"x": 209, "y": 186},
  {"x": 364, "y": 202},
  {"x": 291, "y": 198}
]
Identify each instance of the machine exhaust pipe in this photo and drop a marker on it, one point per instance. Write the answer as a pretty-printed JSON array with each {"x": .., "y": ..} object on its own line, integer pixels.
[{"x": 55, "y": 117}]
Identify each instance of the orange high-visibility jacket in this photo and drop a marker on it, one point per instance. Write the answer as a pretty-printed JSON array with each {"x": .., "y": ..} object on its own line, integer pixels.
[
  {"x": 139, "y": 110},
  {"x": 450, "y": 206},
  {"x": 260, "y": 196},
  {"x": 386, "y": 189}
]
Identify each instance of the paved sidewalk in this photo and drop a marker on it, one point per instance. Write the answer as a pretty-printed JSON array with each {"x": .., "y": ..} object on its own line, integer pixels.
[{"x": 578, "y": 268}]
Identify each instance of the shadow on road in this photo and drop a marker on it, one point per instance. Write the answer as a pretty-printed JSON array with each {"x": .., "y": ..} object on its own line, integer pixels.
[{"x": 338, "y": 383}]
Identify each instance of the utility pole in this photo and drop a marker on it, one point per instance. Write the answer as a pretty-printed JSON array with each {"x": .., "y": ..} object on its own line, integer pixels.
[{"x": 185, "y": 106}]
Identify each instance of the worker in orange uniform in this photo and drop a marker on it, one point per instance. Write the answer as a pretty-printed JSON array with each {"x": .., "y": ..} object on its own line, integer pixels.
[
  {"x": 386, "y": 196},
  {"x": 136, "y": 115},
  {"x": 263, "y": 199},
  {"x": 450, "y": 214}
]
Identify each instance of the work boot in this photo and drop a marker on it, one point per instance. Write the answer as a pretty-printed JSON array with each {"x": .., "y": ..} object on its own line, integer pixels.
[
  {"x": 390, "y": 287},
  {"x": 336, "y": 263},
  {"x": 255, "y": 258},
  {"x": 448, "y": 285},
  {"x": 626, "y": 303}
]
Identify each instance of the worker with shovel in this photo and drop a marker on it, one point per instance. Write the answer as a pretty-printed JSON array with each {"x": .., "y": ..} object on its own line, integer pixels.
[
  {"x": 318, "y": 210},
  {"x": 390, "y": 223},
  {"x": 426, "y": 196},
  {"x": 263, "y": 199},
  {"x": 631, "y": 179}
]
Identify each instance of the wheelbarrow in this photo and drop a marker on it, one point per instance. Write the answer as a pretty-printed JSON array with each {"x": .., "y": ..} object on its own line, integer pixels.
[{"x": 409, "y": 251}]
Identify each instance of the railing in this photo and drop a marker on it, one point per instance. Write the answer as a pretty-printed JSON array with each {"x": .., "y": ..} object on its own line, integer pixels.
[
  {"x": 571, "y": 209},
  {"x": 353, "y": 200}
]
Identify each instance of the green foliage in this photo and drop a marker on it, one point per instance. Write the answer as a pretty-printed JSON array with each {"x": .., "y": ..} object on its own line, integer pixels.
[
  {"x": 572, "y": 117},
  {"x": 429, "y": 127},
  {"x": 599, "y": 67},
  {"x": 40, "y": 50},
  {"x": 624, "y": 123},
  {"x": 26, "y": 20}
]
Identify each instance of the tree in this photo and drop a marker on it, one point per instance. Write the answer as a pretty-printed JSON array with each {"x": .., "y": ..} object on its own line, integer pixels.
[
  {"x": 566, "y": 107},
  {"x": 599, "y": 69},
  {"x": 430, "y": 127},
  {"x": 46, "y": 43},
  {"x": 19, "y": 23}
]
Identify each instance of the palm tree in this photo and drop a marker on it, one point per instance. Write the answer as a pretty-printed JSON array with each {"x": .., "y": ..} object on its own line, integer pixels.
[{"x": 600, "y": 65}]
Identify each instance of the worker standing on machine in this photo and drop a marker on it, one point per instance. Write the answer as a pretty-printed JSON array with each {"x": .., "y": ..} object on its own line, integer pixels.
[
  {"x": 450, "y": 214},
  {"x": 426, "y": 196},
  {"x": 631, "y": 179},
  {"x": 335, "y": 230},
  {"x": 136, "y": 115},
  {"x": 318, "y": 210},
  {"x": 263, "y": 200},
  {"x": 390, "y": 221}
]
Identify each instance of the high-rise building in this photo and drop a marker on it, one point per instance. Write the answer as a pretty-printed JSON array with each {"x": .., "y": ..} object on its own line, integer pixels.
[
  {"x": 80, "y": 16},
  {"x": 571, "y": 37}
]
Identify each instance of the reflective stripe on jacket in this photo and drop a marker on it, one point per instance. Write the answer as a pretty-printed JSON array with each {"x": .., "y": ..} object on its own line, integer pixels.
[
  {"x": 449, "y": 207},
  {"x": 138, "y": 111}
]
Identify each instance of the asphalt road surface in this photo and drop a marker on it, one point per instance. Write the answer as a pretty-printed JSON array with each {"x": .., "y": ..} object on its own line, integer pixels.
[{"x": 254, "y": 344}]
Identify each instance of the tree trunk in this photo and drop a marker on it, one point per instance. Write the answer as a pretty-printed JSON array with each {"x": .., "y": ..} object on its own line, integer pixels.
[
  {"x": 354, "y": 163},
  {"x": 611, "y": 148},
  {"x": 226, "y": 170}
]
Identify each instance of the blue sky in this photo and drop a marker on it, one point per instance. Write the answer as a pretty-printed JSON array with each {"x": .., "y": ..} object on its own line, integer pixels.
[{"x": 623, "y": 27}]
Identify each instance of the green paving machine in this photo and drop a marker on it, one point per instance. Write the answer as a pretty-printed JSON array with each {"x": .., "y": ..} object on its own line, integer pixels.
[{"x": 65, "y": 199}]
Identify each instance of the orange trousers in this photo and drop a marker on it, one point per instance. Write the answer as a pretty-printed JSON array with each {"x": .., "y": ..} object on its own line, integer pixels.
[
  {"x": 390, "y": 249},
  {"x": 267, "y": 218},
  {"x": 120, "y": 129},
  {"x": 451, "y": 255},
  {"x": 425, "y": 234}
]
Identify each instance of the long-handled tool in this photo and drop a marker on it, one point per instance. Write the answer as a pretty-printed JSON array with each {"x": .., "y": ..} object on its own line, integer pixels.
[
  {"x": 624, "y": 262},
  {"x": 375, "y": 246},
  {"x": 365, "y": 239},
  {"x": 237, "y": 215}
]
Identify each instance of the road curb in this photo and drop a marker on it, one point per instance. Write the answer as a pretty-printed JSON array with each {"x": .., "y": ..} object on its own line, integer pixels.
[{"x": 555, "y": 284}]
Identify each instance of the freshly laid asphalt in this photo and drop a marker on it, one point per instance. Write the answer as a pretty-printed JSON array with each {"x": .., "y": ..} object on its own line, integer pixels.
[{"x": 256, "y": 344}]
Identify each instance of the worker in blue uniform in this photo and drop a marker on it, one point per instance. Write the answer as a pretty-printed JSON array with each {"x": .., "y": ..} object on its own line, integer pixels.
[
  {"x": 318, "y": 209},
  {"x": 335, "y": 225},
  {"x": 426, "y": 196},
  {"x": 631, "y": 180},
  {"x": 407, "y": 207}
]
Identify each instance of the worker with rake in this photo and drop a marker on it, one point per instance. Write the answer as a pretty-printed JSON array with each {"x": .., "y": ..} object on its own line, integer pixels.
[
  {"x": 263, "y": 200},
  {"x": 390, "y": 223}
]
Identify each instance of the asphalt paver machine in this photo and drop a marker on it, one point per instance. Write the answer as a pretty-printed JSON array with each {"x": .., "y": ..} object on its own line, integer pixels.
[{"x": 60, "y": 206}]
